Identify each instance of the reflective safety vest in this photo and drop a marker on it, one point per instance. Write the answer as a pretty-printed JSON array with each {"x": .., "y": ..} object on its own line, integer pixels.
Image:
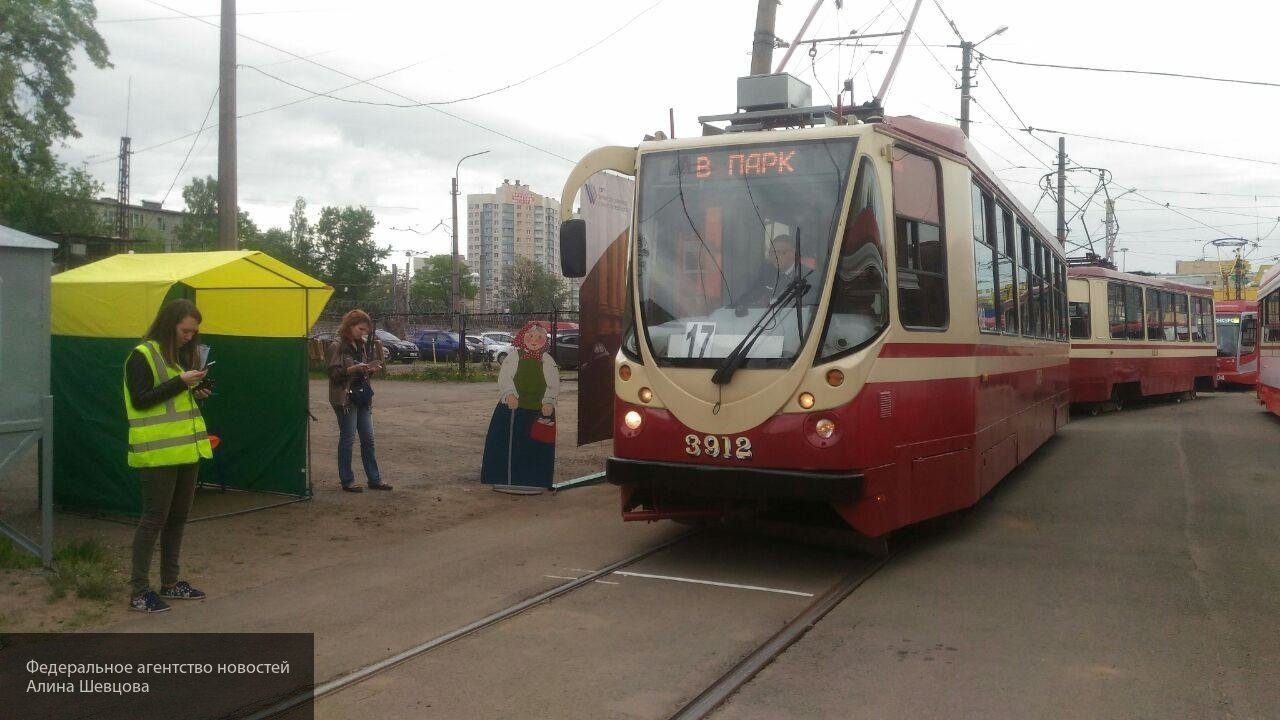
[{"x": 168, "y": 433}]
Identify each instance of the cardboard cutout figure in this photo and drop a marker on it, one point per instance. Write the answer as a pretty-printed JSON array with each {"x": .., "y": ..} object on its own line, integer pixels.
[{"x": 520, "y": 449}]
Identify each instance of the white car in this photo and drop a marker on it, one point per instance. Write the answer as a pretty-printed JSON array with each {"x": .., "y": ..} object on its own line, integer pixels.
[{"x": 494, "y": 349}]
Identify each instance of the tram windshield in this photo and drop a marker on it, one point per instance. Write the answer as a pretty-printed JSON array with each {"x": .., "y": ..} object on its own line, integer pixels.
[
  {"x": 1228, "y": 335},
  {"x": 725, "y": 231}
]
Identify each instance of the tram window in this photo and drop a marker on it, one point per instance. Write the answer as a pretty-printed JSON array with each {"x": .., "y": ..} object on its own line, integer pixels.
[
  {"x": 979, "y": 204},
  {"x": 1115, "y": 312},
  {"x": 1198, "y": 306},
  {"x": 1169, "y": 316},
  {"x": 1182, "y": 318},
  {"x": 1133, "y": 311},
  {"x": 1063, "y": 315},
  {"x": 1024, "y": 282},
  {"x": 1008, "y": 271},
  {"x": 1045, "y": 288},
  {"x": 1248, "y": 334},
  {"x": 984, "y": 268},
  {"x": 1080, "y": 318},
  {"x": 919, "y": 248},
  {"x": 1271, "y": 317},
  {"x": 1153, "y": 315},
  {"x": 860, "y": 295}
]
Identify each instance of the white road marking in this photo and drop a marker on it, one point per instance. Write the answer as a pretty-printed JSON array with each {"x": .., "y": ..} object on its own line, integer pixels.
[
  {"x": 562, "y": 577},
  {"x": 711, "y": 582}
]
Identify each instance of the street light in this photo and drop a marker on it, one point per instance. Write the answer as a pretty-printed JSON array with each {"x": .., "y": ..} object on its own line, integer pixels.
[
  {"x": 966, "y": 72},
  {"x": 1124, "y": 255},
  {"x": 454, "y": 305}
]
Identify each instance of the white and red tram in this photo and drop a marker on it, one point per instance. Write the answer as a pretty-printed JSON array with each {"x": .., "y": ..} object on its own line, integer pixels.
[
  {"x": 1269, "y": 345},
  {"x": 1137, "y": 336},
  {"x": 1236, "y": 322},
  {"x": 904, "y": 347}
]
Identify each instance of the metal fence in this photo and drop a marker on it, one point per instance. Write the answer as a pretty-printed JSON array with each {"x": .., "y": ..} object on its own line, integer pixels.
[{"x": 409, "y": 325}]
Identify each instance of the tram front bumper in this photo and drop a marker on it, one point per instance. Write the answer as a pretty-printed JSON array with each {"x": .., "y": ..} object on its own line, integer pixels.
[{"x": 718, "y": 481}]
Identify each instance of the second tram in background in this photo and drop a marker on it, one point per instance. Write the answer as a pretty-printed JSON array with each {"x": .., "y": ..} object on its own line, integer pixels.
[
  {"x": 1237, "y": 325},
  {"x": 1135, "y": 336},
  {"x": 1269, "y": 347},
  {"x": 853, "y": 316}
]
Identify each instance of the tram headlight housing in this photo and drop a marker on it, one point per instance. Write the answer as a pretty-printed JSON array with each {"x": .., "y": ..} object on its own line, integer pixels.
[
  {"x": 824, "y": 428},
  {"x": 805, "y": 400},
  {"x": 645, "y": 395},
  {"x": 624, "y": 372},
  {"x": 632, "y": 420}
]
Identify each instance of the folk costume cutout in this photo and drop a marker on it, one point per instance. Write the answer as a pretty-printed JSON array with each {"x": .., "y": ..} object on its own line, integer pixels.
[{"x": 520, "y": 449}]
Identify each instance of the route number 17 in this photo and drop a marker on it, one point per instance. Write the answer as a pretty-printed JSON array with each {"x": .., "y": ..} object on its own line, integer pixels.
[{"x": 699, "y": 335}]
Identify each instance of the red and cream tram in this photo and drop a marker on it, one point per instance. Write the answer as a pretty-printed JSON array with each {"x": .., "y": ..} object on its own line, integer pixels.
[
  {"x": 856, "y": 316},
  {"x": 1237, "y": 326},
  {"x": 1269, "y": 347},
  {"x": 1137, "y": 336}
]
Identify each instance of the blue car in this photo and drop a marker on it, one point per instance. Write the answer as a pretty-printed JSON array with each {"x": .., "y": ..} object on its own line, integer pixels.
[{"x": 439, "y": 344}]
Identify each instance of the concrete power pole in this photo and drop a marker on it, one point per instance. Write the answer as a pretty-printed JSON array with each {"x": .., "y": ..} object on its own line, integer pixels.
[
  {"x": 122, "y": 190},
  {"x": 1062, "y": 191},
  {"x": 1111, "y": 231},
  {"x": 966, "y": 82},
  {"x": 765, "y": 39},
  {"x": 227, "y": 195}
]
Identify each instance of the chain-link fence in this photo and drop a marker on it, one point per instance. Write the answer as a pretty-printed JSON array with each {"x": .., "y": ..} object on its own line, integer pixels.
[{"x": 436, "y": 335}]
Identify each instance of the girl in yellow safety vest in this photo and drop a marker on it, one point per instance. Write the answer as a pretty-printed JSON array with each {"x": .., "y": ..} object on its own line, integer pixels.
[{"x": 167, "y": 439}]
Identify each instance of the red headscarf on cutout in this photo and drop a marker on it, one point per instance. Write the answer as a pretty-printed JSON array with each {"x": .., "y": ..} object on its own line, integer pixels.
[{"x": 519, "y": 341}]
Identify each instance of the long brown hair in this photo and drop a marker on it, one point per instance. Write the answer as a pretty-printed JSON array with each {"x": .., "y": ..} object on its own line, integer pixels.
[
  {"x": 164, "y": 330},
  {"x": 350, "y": 320}
]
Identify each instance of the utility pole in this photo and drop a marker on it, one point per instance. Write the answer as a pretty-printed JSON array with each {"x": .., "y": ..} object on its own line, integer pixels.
[
  {"x": 1062, "y": 190},
  {"x": 455, "y": 299},
  {"x": 1239, "y": 275},
  {"x": 765, "y": 39},
  {"x": 1111, "y": 231},
  {"x": 122, "y": 191},
  {"x": 966, "y": 81},
  {"x": 227, "y": 196}
]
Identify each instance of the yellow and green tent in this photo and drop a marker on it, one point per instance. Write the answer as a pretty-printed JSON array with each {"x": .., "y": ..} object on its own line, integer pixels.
[{"x": 257, "y": 312}]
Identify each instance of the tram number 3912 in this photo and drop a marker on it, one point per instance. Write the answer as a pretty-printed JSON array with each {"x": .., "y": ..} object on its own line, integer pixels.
[{"x": 718, "y": 446}]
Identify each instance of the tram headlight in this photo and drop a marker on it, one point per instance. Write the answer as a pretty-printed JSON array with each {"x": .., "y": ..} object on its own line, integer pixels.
[
  {"x": 624, "y": 372},
  {"x": 806, "y": 400},
  {"x": 825, "y": 428},
  {"x": 835, "y": 378},
  {"x": 632, "y": 420},
  {"x": 645, "y": 395}
]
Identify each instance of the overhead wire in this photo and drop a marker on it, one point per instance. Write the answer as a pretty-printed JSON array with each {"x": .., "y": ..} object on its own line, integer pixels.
[
  {"x": 194, "y": 140},
  {"x": 1132, "y": 72}
]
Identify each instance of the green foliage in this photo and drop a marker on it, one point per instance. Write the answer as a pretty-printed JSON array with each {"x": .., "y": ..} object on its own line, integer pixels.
[
  {"x": 13, "y": 557},
  {"x": 38, "y": 41},
  {"x": 85, "y": 567},
  {"x": 533, "y": 288},
  {"x": 433, "y": 284},
  {"x": 199, "y": 229},
  {"x": 349, "y": 260},
  {"x": 50, "y": 199},
  {"x": 446, "y": 372}
]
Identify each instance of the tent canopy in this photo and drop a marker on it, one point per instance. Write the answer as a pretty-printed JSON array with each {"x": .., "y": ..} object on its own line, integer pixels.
[
  {"x": 256, "y": 314},
  {"x": 118, "y": 296}
]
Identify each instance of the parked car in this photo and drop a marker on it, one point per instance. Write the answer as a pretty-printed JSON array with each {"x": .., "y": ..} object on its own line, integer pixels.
[
  {"x": 565, "y": 350},
  {"x": 493, "y": 350},
  {"x": 500, "y": 336},
  {"x": 442, "y": 345},
  {"x": 397, "y": 350}
]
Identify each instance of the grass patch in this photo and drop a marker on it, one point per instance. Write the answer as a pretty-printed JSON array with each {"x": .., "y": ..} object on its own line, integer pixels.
[
  {"x": 13, "y": 557},
  {"x": 85, "y": 568}
]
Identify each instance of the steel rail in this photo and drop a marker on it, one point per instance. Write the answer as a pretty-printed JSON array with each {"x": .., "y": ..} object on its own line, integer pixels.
[
  {"x": 367, "y": 671},
  {"x": 747, "y": 668}
]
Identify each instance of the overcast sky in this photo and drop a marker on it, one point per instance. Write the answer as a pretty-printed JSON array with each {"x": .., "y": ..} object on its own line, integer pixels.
[{"x": 605, "y": 73}]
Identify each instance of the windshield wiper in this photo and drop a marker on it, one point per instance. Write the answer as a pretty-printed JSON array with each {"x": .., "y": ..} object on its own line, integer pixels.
[{"x": 794, "y": 289}]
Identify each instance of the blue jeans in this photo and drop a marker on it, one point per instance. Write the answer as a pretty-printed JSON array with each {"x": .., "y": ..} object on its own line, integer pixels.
[{"x": 353, "y": 419}]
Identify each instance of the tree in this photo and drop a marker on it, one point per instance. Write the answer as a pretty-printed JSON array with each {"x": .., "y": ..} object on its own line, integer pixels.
[
  {"x": 199, "y": 229},
  {"x": 38, "y": 39},
  {"x": 432, "y": 285},
  {"x": 532, "y": 288},
  {"x": 348, "y": 256}
]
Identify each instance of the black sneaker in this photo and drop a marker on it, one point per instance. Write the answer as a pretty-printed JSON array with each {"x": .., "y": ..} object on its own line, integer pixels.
[
  {"x": 181, "y": 591},
  {"x": 379, "y": 486},
  {"x": 148, "y": 602},
  {"x": 352, "y": 488}
]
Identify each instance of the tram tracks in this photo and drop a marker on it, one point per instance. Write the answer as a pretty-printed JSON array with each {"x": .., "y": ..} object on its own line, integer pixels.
[
  {"x": 702, "y": 705},
  {"x": 344, "y": 681}
]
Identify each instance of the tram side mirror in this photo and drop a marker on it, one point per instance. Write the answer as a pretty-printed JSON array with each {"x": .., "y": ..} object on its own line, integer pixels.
[{"x": 573, "y": 248}]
